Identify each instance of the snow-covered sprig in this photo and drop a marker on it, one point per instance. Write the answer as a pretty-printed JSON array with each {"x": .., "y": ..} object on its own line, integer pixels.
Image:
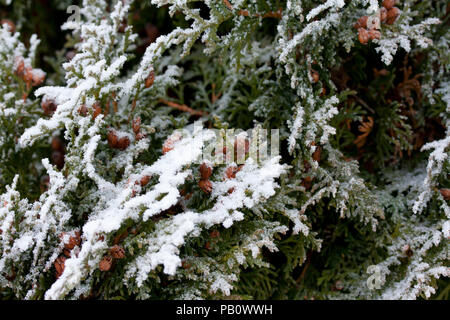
[
  {"x": 427, "y": 251},
  {"x": 214, "y": 277},
  {"x": 90, "y": 74},
  {"x": 252, "y": 185},
  {"x": 393, "y": 39}
]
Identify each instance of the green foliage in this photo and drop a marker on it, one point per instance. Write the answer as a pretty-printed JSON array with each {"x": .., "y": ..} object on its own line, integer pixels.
[{"x": 359, "y": 185}]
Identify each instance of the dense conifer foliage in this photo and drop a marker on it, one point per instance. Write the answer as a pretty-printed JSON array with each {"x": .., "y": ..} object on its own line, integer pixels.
[{"x": 133, "y": 163}]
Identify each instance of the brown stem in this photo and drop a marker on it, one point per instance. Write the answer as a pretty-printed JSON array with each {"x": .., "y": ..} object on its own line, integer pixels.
[
  {"x": 273, "y": 14},
  {"x": 183, "y": 107},
  {"x": 214, "y": 97},
  {"x": 305, "y": 268},
  {"x": 106, "y": 112},
  {"x": 133, "y": 106},
  {"x": 363, "y": 103},
  {"x": 228, "y": 4},
  {"x": 114, "y": 102}
]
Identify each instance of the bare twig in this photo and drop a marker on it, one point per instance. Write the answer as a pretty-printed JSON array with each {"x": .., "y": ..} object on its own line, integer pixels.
[
  {"x": 214, "y": 97},
  {"x": 363, "y": 103},
  {"x": 183, "y": 107}
]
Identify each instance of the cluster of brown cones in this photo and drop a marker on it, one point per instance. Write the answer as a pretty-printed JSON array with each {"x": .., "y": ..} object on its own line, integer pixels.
[
  {"x": 142, "y": 182},
  {"x": 31, "y": 76},
  {"x": 387, "y": 14},
  {"x": 115, "y": 252},
  {"x": 96, "y": 107},
  {"x": 117, "y": 143},
  {"x": 74, "y": 240},
  {"x": 205, "y": 173}
]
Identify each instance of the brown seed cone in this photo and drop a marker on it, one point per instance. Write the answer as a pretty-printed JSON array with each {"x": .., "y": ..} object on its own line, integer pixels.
[
  {"x": 445, "y": 193},
  {"x": 317, "y": 153},
  {"x": 28, "y": 75},
  {"x": 10, "y": 24},
  {"x": 74, "y": 240},
  {"x": 150, "y": 79},
  {"x": 117, "y": 252},
  {"x": 166, "y": 148},
  {"x": 205, "y": 185},
  {"x": 139, "y": 136},
  {"x": 363, "y": 36},
  {"x": 205, "y": 171},
  {"x": 59, "y": 265},
  {"x": 307, "y": 183},
  {"x": 97, "y": 110},
  {"x": 145, "y": 180},
  {"x": 49, "y": 106},
  {"x": 388, "y": 4},
  {"x": 57, "y": 144},
  {"x": 113, "y": 140},
  {"x": 83, "y": 110},
  {"x": 137, "y": 125},
  {"x": 231, "y": 172},
  {"x": 169, "y": 143},
  {"x": 123, "y": 143},
  {"x": 58, "y": 159},
  {"x": 361, "y": 23},
  {"x": 392, "y": 15},
  {"x": 106, "y": 263},
  {"x": 374, "y": 34},
  {"x": 19, "y": 66},
  {"x": 37, "y": 78}
]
